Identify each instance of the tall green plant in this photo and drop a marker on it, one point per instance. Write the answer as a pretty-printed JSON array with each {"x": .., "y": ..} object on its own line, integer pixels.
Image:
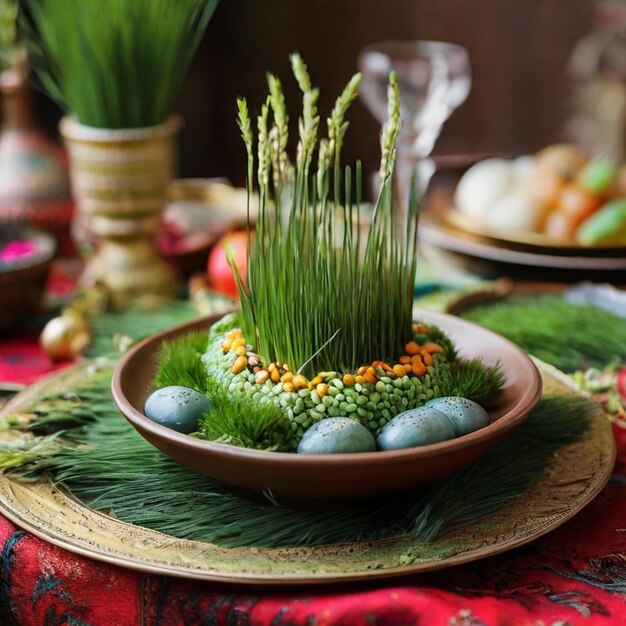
[
  {"x": 10, "y": 46},
  {"x": 115, "y": 63},
  {"x": 317, "y": 297}
]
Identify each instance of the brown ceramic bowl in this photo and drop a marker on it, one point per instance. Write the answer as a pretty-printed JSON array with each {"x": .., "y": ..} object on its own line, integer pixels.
[
  {"x": 337, "y": 475},
  {"x": 23, "y": 278}
]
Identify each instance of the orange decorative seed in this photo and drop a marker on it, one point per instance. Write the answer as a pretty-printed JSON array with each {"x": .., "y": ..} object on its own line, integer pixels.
[
  {"x": 287, "y": 377},
  {"x": 427, "y": 358},
  {"x": 432, "y": 348},
  {"x": 274, "y": 375},
  {"x": 317, "y": 380},
  {"x": 349, "y": 380},
  {"x": 360, "y": 379},
  {"x": 288, "y": 386},
  {"x": 370, "y": 378},
  {"x": 419, "y": 369},
  {"x": 404, "y": 359},
  {"x": 411, "y": 348},
  {"x": 321, "y": 389}
]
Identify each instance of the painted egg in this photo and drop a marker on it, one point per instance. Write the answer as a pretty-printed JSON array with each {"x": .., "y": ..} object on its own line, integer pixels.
[
  {"x": 466, "y": 415},
  {"x": 178, "y": 408},
  {"x": 417, "y": 427},
  {"x": 335, "y": 435}
]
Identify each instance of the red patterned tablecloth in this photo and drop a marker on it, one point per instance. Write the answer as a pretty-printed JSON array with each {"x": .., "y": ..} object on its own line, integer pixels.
[{"x": 575, "y": 575}]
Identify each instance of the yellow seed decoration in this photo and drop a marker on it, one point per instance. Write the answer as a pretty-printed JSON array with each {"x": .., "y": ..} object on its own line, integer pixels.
[
  {"x": 286, "y": 377},
  {"x": 321, "y": 389},
  {"x": 407, "y": 367},
  {"x": 241, "y": 351},
  {"x": 274, "y": 374},
  {"x": 361, "y": 371},
  {"x": 299, "y": 381},
  {"x": 226, "y": 345},
  {"x": 237, "y": 343},
  {"x": 360, "y": 379},
  {"x": 316, "y": 381},
  {"x": 404, "y": 359},
  {"x": 239, "y": 364},
  {"x": 261, "y": 376},
  {"x": 399, "y": 370},
  {"x": 233, "y": 334},
  {"x": 288, "y": 386},
  {"x": 349, "y": 380}
]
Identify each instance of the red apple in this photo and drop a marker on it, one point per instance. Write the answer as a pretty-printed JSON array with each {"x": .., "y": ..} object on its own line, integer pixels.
[{"x": 221, "y": 278}]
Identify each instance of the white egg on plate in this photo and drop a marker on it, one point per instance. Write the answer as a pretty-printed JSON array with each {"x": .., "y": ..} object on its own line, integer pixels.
[
  {"x": 483, "y": 185},
  {"x": 517, "y": 210},
  {"x": 524, "y": 168}
]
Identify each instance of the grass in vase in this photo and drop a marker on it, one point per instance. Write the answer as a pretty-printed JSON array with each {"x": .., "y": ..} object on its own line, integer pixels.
[{"x": 124, "y": 65}]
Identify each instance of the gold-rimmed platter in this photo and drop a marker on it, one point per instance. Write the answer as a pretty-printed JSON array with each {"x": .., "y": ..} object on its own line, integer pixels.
[{"x": 574, "y": 477}]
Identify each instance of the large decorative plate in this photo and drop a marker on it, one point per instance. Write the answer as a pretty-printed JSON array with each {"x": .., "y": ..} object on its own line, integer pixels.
[
  {"x": 577, "y": 473},
  {"x": 448, "y": 237}
]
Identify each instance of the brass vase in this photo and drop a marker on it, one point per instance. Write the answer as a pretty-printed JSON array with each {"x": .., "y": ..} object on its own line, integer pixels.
[{"x": 119, "y": 181}]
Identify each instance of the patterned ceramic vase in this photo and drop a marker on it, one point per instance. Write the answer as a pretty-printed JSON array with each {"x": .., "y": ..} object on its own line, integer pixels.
[
  {"x": 119, "y": 181},
  {"x": 34, "y": 181}
]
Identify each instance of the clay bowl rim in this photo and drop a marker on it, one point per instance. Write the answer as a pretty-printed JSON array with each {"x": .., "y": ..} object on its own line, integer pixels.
[
  {"x": 513, "y": 417},
  {"x": 43, "y": 255}
]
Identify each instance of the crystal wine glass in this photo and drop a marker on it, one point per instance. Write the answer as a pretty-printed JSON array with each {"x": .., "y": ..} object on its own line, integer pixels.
[{"x": 434, "y": 78}]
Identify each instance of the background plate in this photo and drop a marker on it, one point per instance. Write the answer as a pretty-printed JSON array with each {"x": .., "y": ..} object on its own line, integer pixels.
[{"x": 576, "y": 475}]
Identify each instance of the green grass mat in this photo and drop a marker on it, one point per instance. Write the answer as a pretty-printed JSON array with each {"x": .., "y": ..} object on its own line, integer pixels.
[
  {"x": 566, "y": 335},
  {"x": 84, "y": 444}
]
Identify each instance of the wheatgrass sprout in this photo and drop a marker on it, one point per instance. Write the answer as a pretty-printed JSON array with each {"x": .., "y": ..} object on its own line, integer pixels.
[
  {"x": 315, "y": 298},
  {"x": 114, "y": 63}
]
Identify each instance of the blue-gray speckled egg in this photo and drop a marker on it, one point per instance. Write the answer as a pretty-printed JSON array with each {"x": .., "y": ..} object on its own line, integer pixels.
[
  {"x": 416, "y": 427},
  {"x": 178, "y": 408},
  {"x": 466, "y": 415},
  {"x": 335, "y": 435}
]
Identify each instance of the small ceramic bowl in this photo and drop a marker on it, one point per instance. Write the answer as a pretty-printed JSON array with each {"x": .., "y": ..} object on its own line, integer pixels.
[
  {"x": 25, "y": 256},
  {"x": 337, "y": 476}
]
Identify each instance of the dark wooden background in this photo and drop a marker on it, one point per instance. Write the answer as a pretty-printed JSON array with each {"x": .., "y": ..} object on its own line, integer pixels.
[{"x": 518, "y": 51}]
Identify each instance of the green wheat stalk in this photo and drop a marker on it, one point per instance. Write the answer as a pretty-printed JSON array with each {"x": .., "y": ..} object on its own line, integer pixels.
[
  {"x": 316, "y": 298},
  {"x": 114, "y": 63}
]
